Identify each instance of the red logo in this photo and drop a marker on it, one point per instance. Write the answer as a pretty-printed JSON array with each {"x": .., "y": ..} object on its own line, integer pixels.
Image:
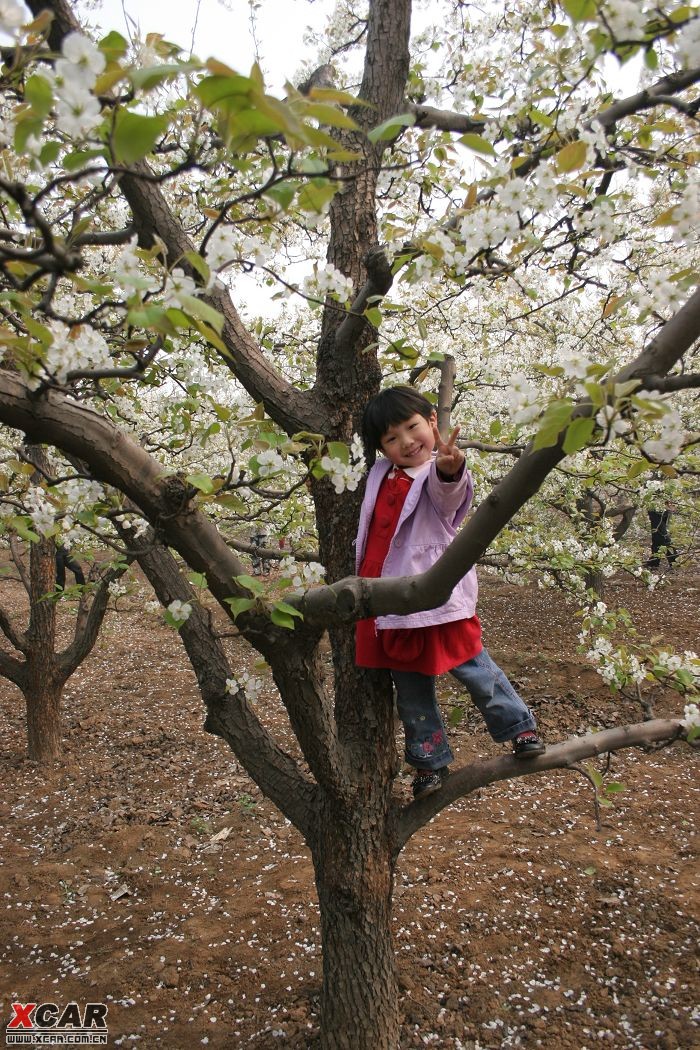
[{"x": 22, "y": 1015}]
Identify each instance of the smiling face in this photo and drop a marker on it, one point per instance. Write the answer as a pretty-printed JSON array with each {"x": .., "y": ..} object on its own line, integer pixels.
[{"x": 410, "y": 443}]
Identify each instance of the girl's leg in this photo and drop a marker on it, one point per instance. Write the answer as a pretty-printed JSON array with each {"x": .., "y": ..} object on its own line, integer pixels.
[
  {"x": 424, "y": 729},
  {"x": 506, "y": 714}
]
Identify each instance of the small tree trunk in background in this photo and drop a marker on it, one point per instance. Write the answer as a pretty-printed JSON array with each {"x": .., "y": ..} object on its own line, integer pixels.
[{"x": 42, "y": 686}]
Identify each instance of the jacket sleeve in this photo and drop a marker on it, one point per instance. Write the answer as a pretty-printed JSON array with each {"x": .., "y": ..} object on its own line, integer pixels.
[{"x": 451, "y": 499}]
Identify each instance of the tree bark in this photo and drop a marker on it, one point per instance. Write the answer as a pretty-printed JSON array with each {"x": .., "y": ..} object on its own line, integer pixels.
[
  {"x": 354, "y": 880},
  {"x": 41, "y": 685}
]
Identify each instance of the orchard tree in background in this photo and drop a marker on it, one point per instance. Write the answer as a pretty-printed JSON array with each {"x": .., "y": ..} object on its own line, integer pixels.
[
  {"x": 477, "y": 189},
  {"x": 40, "y": 671}
]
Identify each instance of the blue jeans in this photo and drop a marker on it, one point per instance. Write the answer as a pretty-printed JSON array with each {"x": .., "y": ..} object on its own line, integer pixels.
[{"x": 506, "y": 714}]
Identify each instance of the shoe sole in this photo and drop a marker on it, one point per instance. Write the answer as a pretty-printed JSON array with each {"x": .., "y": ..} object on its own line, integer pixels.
[{"x": 533, "y": 752}]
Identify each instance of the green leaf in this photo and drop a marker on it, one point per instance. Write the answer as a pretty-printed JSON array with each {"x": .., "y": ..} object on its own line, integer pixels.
[
  {"x": 578, "y": 434},
  {"x": 200, "y": 481},
  {"x": 135, "y": 135},
  {"x": 614, "y": 787},
  {"x": 638, "y": 468},
  {"x": 282, "y": 193},
  {"x": 571, "y": 157},
  {"x": 151, "y": 76},
  {"x": 390, "y": 128},
  {"x": 38, "y": 93},
  {"x": 556, "y": 417},
  {"x": 282, "y": 619},
  {"x": 477, "y": 144},
  {"x": 289, "y": 609},
  {"x": 315, "y": 194},
  {"x": 239, "y": 605},
  {"x": 198, "y": 263},
  {"x": 250, "y": 583},
  {"x": 113, "y": 46},
  {"x": 330, "y": 115},
  {"x": 21, "y": 527},
  {"x": 374, "y": 316},
  {"x": 590, "y": 870},
  {"x": 580, "y": 10},
  {"x": 337, "y": 450},
  {"x": 202, "y": 311},
  {"x": 224, "y": 91}
]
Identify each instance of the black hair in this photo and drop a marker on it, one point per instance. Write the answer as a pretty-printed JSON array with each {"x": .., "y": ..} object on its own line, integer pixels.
[{"x": 389, "y": 407}]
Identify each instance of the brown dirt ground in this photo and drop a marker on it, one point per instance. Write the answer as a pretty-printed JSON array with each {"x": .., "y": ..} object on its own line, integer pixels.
[{"x": 516, "y": 922}]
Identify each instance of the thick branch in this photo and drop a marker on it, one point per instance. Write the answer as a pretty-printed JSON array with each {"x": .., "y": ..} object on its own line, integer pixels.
[
  {"x": 17, "y": 639},
  {"x": 378, "y": 283},
  {"x": 12, "y": 669},
  {"x": 230, "y": 717},
  {"x": 558, "y": 756},
  {"x": 668, "y": 384}
]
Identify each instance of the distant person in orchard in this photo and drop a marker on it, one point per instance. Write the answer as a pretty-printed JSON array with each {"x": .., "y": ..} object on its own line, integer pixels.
[
  {"x": 416, "y": 496},
  {"x": 661, "y": 537},
  {"x": 65, "y": 560}
]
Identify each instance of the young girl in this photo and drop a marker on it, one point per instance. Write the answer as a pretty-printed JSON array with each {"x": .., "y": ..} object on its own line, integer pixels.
[{"x": 415, "y": 499}]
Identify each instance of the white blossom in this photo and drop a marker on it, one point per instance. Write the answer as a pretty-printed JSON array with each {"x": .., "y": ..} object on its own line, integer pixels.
[
  {"x": 83, "y": 54},
  {"x": 269, "y": 462},
  {"x": 12, "y": 16},
  {"x": 688, "y": 43},
  {"x": 116, "y": 589},
  {"x": 304, "y": 576},
  {"x": 626, "y": 18},
  {"x": 609, "y": 420},
  {"x": 77, "y": 111},
  {"x": 328, "y": 281},
  {"x": 251, "y": 686},
  {"x": 179, "y": 610},
  {"x": 691, "y": 716},
  {"x": 179, "y": 285}
]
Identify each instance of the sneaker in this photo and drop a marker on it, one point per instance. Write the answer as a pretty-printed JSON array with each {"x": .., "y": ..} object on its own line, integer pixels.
[
  {"x": 528, "y": 745},
  {"x": 426, "y": 781}
]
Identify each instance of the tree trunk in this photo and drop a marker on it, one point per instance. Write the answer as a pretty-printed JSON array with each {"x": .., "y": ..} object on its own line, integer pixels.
[
  {"x": 43, "y": 699},
  {"x": 354, "y": 878},
  {"x": 42, "y": 686}
]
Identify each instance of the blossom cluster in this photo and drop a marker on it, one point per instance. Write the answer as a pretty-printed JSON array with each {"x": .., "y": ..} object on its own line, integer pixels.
[
  {"x": 80, "y": 348},
  {"x": 346, "y": 476},
  {"x": 302, "y": 576},
  {"x": 668, "y": 443},
  {"x": 41, "y": 511},
  {"x": 250, "y": 685},
  {"x": 328, "y": 281},
  {"x": 73, "y": 77},
  {"x": 621, "y": 665},
  {"x": 523, "y": 399}
]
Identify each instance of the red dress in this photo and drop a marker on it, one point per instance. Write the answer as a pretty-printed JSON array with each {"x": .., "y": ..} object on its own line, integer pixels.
[{"x": 429, "y": 650}]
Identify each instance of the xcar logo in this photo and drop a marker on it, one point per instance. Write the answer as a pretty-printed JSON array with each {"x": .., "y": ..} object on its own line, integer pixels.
[{"x": 47, "y": 1025}]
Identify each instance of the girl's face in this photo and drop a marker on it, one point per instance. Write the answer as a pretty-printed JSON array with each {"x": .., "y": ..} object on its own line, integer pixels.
[{"x": 410, "y": 443}]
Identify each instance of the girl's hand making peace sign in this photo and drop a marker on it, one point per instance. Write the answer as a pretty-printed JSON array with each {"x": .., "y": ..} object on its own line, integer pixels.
[{"x": 449, "y": 459}]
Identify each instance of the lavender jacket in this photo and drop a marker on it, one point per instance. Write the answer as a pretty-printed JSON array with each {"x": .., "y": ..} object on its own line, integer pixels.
[{"x": 428, "y": 523}]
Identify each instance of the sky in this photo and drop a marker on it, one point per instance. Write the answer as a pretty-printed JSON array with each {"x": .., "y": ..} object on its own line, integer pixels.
[{"x": 222, "y": 29}]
